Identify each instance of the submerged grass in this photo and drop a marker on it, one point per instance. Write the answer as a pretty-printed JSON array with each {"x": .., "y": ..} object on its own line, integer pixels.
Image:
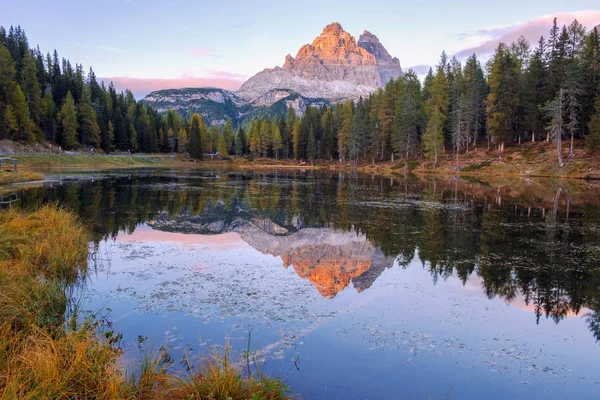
[
  {"x": 44, "y": 356},
  {"x": 8, "y": 177}
]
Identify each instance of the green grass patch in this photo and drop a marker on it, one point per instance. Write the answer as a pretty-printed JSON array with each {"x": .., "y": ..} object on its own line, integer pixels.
[
  {"x": 475, "y": 167},
  {"x": 65, "y": 160}
]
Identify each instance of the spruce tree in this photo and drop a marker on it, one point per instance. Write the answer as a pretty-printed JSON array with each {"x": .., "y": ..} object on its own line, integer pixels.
[
  {"x": 89, "y": 131},
  {"x": 228, "y": 135},
  {"x": 503, "y": 99},
  {"x": 194, "y": 142},
  {"x": 277, "y": 142},
  {"x": 437, "y": 115},
  {"x": 240, "y": 142},
  {"x": 68, "y": 122},
  {"x": 592, "y": 140}
]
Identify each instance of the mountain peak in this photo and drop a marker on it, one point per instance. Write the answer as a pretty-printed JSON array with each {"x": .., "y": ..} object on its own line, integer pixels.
[
  {"x": 334, "y": 67},
  {"x": 368, "y": 37},
  {"x": 335, "y": 29}
]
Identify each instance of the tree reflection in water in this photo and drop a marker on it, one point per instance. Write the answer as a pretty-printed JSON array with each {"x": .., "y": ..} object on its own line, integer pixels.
[{"x": 532, "y": 240}]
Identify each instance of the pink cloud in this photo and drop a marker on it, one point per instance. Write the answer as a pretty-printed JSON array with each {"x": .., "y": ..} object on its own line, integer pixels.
[
  {"x": 531, "y": 30},
  {"x": 419, "y": 69},
  {"x": 142, "y": 86},
  {"x": 202, "y": 52}
]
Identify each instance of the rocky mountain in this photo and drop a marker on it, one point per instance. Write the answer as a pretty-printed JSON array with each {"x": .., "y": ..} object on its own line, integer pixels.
[
  {"x": 330, "y": 259},
  {"x": 334, "y": 67},
  {"x": 217, "y": 105}
]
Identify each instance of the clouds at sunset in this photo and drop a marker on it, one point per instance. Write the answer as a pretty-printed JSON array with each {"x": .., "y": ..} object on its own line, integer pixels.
[
  {"x": 142, "y": 86},
  {"x": 532, "y": 30}
]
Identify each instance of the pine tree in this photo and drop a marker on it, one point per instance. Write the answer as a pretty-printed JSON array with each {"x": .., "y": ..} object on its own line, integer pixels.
[
  {"x": 240, "y": 142},
  {"x": 266, "y": 137},
  {"x": 49, "y": 117},
  {"x": 296, "y": 138},
  {"x": 437, "y": 115},
  {"x": 109, "y": 139},
  {"x": 222, "y": 147},
  {"x": 386, "y": 117},
  {"x": 68, "y": 122},
  {"x": 31, "y": 88},
  {"x": 133, "y": 139},
  {"x": 311, "y": 146},
  {"x": 195, "y": 143},
  {"x": 254, "y": 139},
  {"x": 535, "y": 91},
  {"x": 475, "y": 95},
  {"x": 277, "y": 142},
  {"x": 89, "y": 131},
  {"x": 214, "y": 138},
  {"x": 503, "y": 99},
  {"x": 555, "y": 114},
  {"x": 573, "y": 92},
  {"x": 593, "y": 139},
  {"x": 345, "y": 129},
  {"x": 228, "y": 135},
  {"x": 182, "y": 140}
]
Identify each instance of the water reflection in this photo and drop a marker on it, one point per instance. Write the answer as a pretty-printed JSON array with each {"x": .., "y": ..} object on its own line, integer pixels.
[{"x": 534, "y": 244}]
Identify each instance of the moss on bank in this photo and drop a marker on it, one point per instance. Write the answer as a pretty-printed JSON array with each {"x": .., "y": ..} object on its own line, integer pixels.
[{"x": 42, "y": 253}]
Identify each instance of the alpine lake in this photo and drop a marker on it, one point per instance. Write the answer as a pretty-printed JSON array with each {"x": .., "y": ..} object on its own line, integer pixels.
[{"x": 348, "y": 286}]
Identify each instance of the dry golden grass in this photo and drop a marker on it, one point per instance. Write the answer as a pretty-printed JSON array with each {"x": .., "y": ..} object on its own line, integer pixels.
[
  {"x": 42, "y": 356},
  {"x": 19, "y": 176}
]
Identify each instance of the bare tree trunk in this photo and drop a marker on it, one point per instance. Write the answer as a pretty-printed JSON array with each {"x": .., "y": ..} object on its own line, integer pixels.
[
  {"x": 533, "y": 137},
  {"x": 571, "y": 153},
  {"x": 457, "y": 168}
]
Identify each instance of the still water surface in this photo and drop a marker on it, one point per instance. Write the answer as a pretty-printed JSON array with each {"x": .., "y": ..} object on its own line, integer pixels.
[{"x": 351, "y": 287}]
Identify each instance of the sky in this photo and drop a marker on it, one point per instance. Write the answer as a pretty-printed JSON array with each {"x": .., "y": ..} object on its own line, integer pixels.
[{"x": 147, "y": 45}]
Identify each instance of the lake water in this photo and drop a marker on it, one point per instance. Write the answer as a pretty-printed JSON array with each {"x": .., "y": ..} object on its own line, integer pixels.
[{"x": 351, "y": 287}]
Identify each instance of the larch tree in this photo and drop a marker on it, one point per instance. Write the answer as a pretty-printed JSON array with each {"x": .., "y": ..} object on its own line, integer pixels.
[{"x": 277, "y": 142}]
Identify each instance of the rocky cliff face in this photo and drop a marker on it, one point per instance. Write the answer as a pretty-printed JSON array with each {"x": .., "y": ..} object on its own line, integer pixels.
[
  {"x": 388, "y": 66},
  {"x": 334, "y": 67}
]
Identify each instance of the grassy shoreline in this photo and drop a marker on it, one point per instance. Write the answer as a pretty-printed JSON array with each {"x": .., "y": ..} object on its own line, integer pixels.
[
  {"x": 42, "y": 253},
  {"x": 523, "y": 161},
  {"x": 7, "y": 178}
]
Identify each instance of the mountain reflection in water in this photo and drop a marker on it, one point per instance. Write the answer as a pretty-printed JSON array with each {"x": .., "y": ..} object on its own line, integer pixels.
[{"x": 535, "y": 243}]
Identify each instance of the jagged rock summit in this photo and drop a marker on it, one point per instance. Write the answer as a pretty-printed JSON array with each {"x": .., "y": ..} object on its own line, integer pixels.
[{"x": 333, "y": 67}]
